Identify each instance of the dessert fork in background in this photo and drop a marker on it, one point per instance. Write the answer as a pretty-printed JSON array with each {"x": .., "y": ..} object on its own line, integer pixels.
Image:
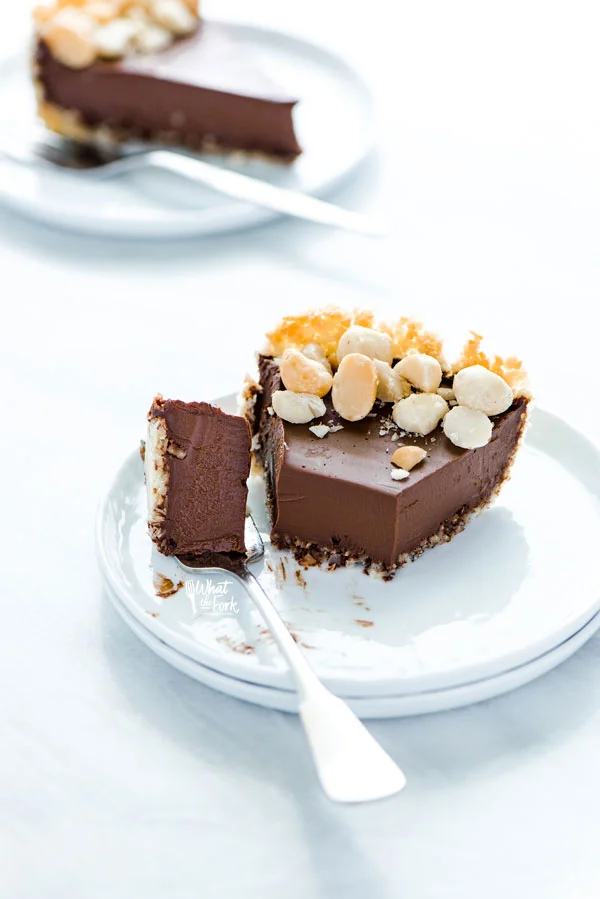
[
  {"x": 100, "y": 162},
  {"x": 351, "y": 765}
]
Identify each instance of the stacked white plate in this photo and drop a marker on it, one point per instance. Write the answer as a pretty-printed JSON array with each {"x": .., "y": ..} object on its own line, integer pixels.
[
  {"x": 151, "y": 202},
  {"x": 507, "y": 600}
]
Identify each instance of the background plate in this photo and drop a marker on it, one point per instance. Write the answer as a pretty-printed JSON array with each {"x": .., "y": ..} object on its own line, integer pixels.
[
  {"x": 334, "y": 126},
  {"x": 366, "y": 707},
  {"x": 519, "y": 581}
]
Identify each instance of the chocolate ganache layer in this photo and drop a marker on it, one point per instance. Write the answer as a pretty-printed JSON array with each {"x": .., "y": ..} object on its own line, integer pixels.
[
  {"x": 334, "y": 497},
  {"x": 197, "y": 461},
  {"x": 204, "y": 92}
]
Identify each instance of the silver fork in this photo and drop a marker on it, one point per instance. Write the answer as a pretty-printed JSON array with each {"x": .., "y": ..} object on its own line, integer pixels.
[
  {"x": 99, "y": 162},
  {"x": 351, "y": 765}
]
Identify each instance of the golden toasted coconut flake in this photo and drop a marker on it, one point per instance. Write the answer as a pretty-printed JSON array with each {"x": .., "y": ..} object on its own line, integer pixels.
[
  {"x": 510, "y": 369},
  {"x": 410, "y": 336},
  {"x": 324, "y": 327}
]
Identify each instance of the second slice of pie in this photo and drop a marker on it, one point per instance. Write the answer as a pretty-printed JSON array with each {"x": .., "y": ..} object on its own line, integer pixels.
[{"x": 154, "y": 70}]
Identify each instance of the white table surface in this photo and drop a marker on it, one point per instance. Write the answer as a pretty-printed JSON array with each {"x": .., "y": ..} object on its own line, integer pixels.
[{"x": 121, "y": 778}]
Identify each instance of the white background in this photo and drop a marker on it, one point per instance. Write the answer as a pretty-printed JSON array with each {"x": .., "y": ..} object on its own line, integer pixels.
[{"x": 120, "y": 777}]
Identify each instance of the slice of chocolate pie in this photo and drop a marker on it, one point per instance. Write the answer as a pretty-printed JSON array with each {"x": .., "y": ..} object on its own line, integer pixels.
[
  {"x": 373, "y": 447},
  {"x": 153, "y": 70},
  {"x": 196, "y": 464}
]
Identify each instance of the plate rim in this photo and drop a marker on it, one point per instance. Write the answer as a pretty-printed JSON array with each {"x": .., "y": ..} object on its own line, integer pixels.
[
  {"x": 232, "y": 215},
  {"x": 366, "y": 707},
  {"x": 279, "y": 677}
]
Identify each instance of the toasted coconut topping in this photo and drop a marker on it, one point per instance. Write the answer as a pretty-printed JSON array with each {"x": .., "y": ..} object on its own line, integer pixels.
[
  {"x": 510, "y": 369},
  {"x": 324, "y": 327},
  {"x": 361, "y": 362},
  {"x": 410, "y": 336}
]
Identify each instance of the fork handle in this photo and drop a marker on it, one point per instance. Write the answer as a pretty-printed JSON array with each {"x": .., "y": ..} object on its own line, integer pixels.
[
  {"x": 351, "y": 765},
  {"x": 306, "y": 680},
  {"x": 260, "y": 193}
]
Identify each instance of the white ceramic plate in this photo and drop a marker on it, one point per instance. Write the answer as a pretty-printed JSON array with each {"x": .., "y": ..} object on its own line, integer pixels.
[
  {"x": 366, "y": 707},
  {"x": 519, "y": 581},
  {"x": 334, "y": 126}
]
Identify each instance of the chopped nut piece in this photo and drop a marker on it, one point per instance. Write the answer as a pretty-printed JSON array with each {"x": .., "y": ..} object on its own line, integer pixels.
[
  {"x": 297, "y": 408},
  {"x": 115, "y": 39},
  {"x": 386, "y": 424},
  {"x": 164, "y": 587},
  {"x": 391, "y": 386},
  {"x": 173, "y": 449},
  {"x": 152, "y": 39},
  {"x": 447, "y": 394},
  {"x": 424, "y": 372},
  {"x": 366, "y": 341},
  {"x": 407, "y": 457},
  {"x": 467, "y": 428},
  {"x": 399, "y": 474},
  {"x": 174, "y": 15},
  {"x": 70, "y": 38},
  {"x": 319, "y": 430},
  {"x": 317, "y": 354},
  {"x": 303, "y": 375},
  {"x": 354, "y": 387},
  {"x": 420, "y": 413},
  {"x": 479, "y": 388}
]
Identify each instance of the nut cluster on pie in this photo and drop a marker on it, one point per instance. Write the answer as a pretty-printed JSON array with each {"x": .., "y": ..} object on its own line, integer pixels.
[
  {"x": 373, "y": 447},
  {"x": 368, "y": 366},
  {"x": 77, "y": 32}
]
